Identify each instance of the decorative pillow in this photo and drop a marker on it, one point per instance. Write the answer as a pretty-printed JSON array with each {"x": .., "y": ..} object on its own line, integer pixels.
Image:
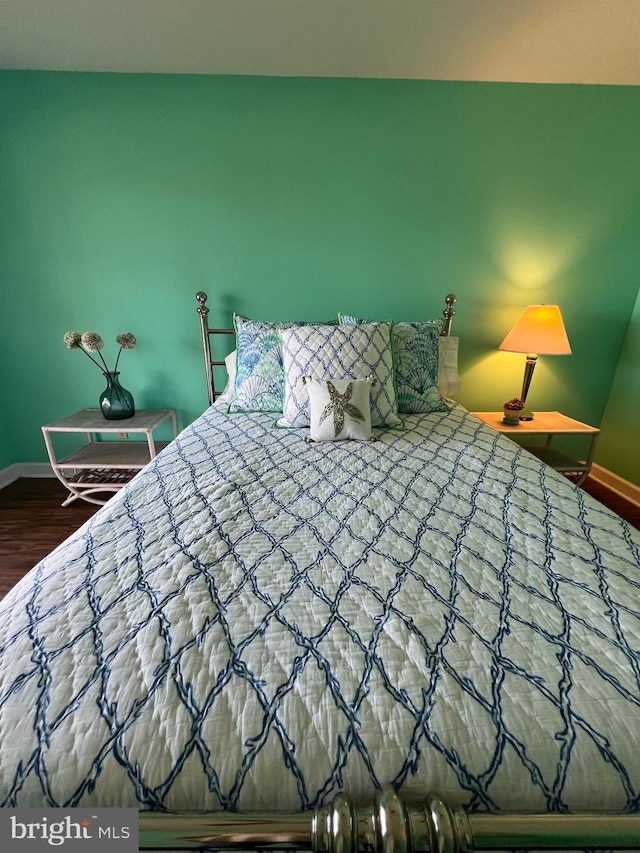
[
  {"x": 229, "y": 391},
  {"x": 352, "y": 352},
  {"x": 339, "y": 408},
  {"x": 259, "y": 376},
  {"x": 416, "y": 348},
  {"x": 415, "y": 353},
  {"x": 448, "y": 376}
]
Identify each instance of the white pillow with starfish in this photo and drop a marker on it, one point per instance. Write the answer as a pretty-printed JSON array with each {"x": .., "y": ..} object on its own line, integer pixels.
[{"x": 340, "y": 409}]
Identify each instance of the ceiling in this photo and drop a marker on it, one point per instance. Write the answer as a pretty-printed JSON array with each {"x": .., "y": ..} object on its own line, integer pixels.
[{"x": 540, "y": 41}]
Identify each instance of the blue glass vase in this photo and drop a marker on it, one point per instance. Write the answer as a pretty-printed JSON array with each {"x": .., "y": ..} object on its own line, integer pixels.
[{"x": 116, "y": 402}]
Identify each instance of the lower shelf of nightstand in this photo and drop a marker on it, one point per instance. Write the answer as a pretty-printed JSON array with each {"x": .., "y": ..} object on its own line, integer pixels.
[
  {"x": 102, "y": 466},
  {"x": 94, "y": 478},
  {"x": 560, "y": 461}
]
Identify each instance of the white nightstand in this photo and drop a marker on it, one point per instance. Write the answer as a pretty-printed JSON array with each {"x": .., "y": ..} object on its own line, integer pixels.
[
  {"x": 549, "y": 424},
  {"x": 105, "y": 466}
]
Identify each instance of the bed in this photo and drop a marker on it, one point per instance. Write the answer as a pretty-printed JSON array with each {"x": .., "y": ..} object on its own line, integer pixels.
[{"x": 420, "y": 637}]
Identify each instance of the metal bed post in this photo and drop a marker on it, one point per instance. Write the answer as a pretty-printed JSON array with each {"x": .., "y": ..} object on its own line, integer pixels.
[
  {"x": 448, "y": 314},
  {"x": 388, "y": 825},
  {"x": 209, "y": 363},
  {"x": 203, "y": 313}
]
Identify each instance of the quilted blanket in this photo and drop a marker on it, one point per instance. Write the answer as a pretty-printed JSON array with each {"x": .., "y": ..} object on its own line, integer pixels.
[{"x": 256, "y": 622}]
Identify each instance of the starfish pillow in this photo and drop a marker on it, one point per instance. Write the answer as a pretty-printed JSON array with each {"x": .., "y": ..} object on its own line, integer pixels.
[{"x": 339, "y": 408}]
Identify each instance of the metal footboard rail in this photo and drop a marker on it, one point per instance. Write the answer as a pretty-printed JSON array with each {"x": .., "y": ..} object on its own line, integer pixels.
[{"x": 387, "y": 826}]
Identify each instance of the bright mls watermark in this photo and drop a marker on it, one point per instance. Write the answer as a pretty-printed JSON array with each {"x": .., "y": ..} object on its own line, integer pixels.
[{"x": 79, "y": 829}]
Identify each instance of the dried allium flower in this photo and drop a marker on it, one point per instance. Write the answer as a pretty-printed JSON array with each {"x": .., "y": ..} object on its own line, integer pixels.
[
  {"x": 72, "y": 340},
  {"x": 92, "y": 341},
  {"x": 126, "y": 340}
]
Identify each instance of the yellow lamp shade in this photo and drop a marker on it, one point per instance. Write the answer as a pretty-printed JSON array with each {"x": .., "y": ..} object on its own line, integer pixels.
[{"x": 539, "y": 330}]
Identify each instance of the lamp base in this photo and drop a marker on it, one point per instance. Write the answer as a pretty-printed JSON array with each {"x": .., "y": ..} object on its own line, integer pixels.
[{"x": 526, "y": 416}]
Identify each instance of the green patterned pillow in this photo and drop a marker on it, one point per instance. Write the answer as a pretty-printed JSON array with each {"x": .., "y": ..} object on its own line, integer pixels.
[
  {"x": 415, "y": 353},
  {"x": 415, "y": 359},
  {"x": 259, "y": 381},
  {"x": 259, "y": 374}
]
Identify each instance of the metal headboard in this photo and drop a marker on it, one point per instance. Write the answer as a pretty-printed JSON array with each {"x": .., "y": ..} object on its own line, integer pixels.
[{"x": 207, "y": 331}]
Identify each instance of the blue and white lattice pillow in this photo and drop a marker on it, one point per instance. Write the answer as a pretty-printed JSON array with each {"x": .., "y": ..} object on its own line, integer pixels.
[
  {"x": 344, "y": 352},
  {"x": 416, "y": 348}
]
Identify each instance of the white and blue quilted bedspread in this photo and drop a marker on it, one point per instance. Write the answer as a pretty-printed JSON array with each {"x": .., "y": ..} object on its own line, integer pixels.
[{"x": 257, "y": 622}]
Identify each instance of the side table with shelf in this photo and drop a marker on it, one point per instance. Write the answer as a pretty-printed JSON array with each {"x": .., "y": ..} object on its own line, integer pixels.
[
  {"x": 548, "y": 425},
  {"x": 105, "y": 466}
]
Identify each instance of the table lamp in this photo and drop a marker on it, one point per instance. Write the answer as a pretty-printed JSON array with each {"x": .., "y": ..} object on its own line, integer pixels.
[{"x": 539, "y": 331}]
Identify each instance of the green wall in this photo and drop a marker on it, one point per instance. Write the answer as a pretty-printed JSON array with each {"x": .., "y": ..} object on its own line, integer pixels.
[{"x": 122, "y": 195}]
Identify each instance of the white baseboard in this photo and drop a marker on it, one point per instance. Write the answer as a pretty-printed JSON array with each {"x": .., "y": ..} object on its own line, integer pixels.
[
  {"x": 617, "y": 484},
  {"x": 25, "y": 469}
]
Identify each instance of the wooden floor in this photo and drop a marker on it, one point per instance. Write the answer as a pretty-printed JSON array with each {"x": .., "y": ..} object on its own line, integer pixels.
[
  {"x": 33, "y": 522},
  {"x": 619, "y": 504}
]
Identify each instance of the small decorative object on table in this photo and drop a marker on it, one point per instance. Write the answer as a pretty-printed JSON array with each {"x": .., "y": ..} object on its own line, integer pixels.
[
  {"x": 116, "y": 402},
  {"x": 512, "y": 410}
]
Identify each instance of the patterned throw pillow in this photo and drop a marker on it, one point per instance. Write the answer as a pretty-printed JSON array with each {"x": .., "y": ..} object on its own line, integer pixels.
[
  {"x": 259, "y": 377},
  {"x": 339, "y": 408},
  {"x": 448, "y": 376},
  {"x": 229, "y": 390},
  {"x": 349, "y": 352},
  {"x": 415, "y": 353}
]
